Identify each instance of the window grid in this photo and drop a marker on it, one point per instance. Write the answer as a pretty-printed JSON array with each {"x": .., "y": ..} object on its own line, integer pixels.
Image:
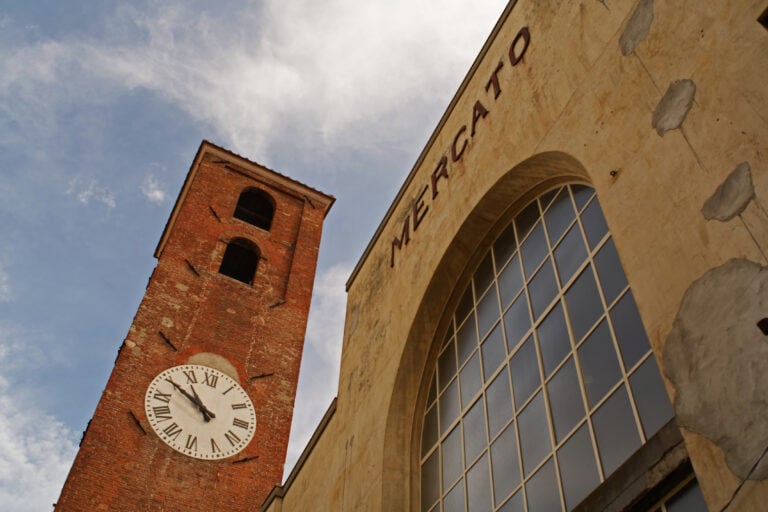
[{"x": 467, "y": 319}]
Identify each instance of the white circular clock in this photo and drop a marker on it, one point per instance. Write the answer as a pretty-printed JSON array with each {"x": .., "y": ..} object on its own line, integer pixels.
[{"x": 200, "y": 412}]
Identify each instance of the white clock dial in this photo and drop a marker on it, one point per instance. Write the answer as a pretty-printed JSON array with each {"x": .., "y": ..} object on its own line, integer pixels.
[{"x": 200, "y": 412}]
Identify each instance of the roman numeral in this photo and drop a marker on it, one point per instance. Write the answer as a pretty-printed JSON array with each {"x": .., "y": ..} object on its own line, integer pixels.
[
  {"x": 238, "y": 406},
  {"x": 214, "y": 447},
  {"x": 173, "y": 430},
  {"x": 190, "y": 375},
  {"x": 163, "y": 397},
  {"x": 240, "y": 423},
  {"x": 230, "y": 388},
  {"x": 232, "y": 437},
  {"x": 191, "y": 443},
  {"x": 211, "y": 380},
  {"x": 162, "y": 413}
]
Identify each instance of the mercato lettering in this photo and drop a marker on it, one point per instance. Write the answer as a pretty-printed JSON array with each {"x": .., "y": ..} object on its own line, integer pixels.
[{"x": 460, "y": 142}]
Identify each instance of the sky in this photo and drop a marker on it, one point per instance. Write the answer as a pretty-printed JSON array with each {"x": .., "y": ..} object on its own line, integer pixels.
[{"x": 102, "y": 108}]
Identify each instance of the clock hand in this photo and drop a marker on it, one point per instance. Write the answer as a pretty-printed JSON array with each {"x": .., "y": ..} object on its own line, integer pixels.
[
  {"x": 203, "y": 408},
  {"x": 193, "y": 399}
]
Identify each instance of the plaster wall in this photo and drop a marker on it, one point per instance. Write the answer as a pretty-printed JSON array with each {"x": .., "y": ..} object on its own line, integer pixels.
[{"x": 583, "y": 104}]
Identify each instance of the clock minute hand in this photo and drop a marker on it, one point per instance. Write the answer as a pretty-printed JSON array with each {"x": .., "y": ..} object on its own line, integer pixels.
[
  {"x": 193, "y": 399},
  {"x": 203, "y": 408}
]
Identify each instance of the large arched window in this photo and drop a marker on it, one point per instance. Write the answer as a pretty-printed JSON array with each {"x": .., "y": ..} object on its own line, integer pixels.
[
  {"x": 545, "y": 382},
  {"x": 240, "y": 260},
  {"x": 256, "y": 207}
]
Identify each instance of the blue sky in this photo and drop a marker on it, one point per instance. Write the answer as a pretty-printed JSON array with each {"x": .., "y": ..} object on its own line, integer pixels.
[{"x": 102, "y": 108}]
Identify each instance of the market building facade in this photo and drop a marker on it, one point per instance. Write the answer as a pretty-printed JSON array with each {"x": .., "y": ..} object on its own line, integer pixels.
[{"x": 564, "y": 307}]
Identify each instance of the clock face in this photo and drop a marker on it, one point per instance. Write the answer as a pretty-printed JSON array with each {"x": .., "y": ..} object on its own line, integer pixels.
[{"x": 200, "y": 412}]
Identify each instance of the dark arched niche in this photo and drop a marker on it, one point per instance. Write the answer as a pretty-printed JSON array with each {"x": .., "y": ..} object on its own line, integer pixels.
[
  {"x": 483, "y": 223},
  {"x": 256, "y": 207}
]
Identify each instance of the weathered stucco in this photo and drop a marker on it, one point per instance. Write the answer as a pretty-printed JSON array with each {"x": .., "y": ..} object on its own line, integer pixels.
[
  {"x": 637, "y": 28},
  {"x": 716, "y": 358},
  {"x": 732, "y": 196},
  {"x": 674, "y": 106}
]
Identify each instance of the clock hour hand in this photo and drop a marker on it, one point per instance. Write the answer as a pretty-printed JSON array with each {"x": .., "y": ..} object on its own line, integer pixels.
[
  {"x": 203, "y": 408},
  {"x": 192, "y": 399}
]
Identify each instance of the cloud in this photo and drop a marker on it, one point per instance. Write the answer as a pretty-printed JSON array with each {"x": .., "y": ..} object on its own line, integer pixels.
[
  {"x": 36, "y": 450},
  {"x": 152, "y": 190},
  {"x": 318, "y": 381},
  {"x": 87, "y": 190},
  {"x": 271, "y": 70}
]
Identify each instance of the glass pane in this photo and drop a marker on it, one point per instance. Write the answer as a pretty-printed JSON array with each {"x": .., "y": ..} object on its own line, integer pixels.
[
  {"x": 525, "y": 372},
  {"x": 449, "y": 407},
  {"x": 582, "y": 194},
  {"x": 466, "y": 339},
  {"x": 488, "y": 311},
  {"x": 599, "y": 365},
  {"x": 578, "y": 470},
  {"x": 452, "y": 465},
  {"x": 543, "y": 288},
  {"x": 515, "y": 504},
  {"x": 446, "y": 366},
  {"x": 553, "y": 339},
  {"x": 615, "y": 430},
  {"x": 517, "y": 321},
  {"x": 630, "y": 332},
  {"x": 465, "y": 305},
  {"x": 559, "y": 216},
  {"x": 504, "y": 246},
  {"x": 493, "y": 351},
  {"x": 610, "y": 271},
  {"x": 650, "y": 397},
  {"x": 504, "y": 461},
  {"x": 432, "y": 390},
  {"x": 534, "y": 434},
  {"x": 510, "y": 281},
  {"x": 454, "y": 501},
  {"x": 526, "y": 218},
  {"x": 499, "y": 403},
  {"x": 448, "y": 334},
  {"x": 547, "y": 198},
  {"x": 534, "y": 249},
  {"x": 429, "y": 432},
  {"x": 475, "y": 438},
  {"x": 470, "y": 380},
  {"x": 478, "y": 486},
  {"x": 584, "y": 305},
  {"x": 430, "y": 481},
  {"x": 594, "y": 223},
  {"x": 565, "y": 400},
  {"x": 542, "y": 490},
  {"x": 484, "y": 275},
  {"x": 570, "y": 254},
  {"x": 688, "y": 499}
]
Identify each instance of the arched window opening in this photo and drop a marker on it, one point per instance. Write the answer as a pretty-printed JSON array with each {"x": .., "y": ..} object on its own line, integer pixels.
[
  {"x": 240, "y": 260},
  {"x": 545, "y": 382},
  {"x": 255, "y": 207}
]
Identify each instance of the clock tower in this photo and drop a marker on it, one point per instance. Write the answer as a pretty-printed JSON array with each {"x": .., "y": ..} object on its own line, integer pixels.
[{"x": 197, "y": 412}]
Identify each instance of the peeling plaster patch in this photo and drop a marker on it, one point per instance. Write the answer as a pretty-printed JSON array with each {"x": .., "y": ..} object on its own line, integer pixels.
[
  {"x": 716, "y": 357},
  {"x": 637, "y": 27},
  {"x": 732, "y": 196},
  {"x": 674, "y": 106},
  {"x": 215, "y": 361}
]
